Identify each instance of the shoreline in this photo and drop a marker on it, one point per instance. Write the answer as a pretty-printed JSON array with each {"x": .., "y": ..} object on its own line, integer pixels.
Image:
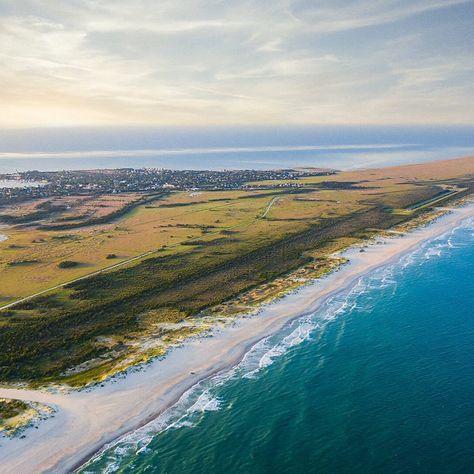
[{"x": 87, "y": 421}]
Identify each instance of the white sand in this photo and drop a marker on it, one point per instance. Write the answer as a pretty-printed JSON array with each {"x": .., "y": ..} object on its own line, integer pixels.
[{"x": 85, "y": 421}]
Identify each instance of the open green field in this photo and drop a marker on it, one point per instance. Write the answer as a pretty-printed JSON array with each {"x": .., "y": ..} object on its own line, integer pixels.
[{"x": 199, "y": 250}]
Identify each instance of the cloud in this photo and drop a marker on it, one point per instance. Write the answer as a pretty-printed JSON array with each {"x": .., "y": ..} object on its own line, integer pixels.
[
  {"x": 107, "y": 62},
  {"x": 366, "y": 13}
]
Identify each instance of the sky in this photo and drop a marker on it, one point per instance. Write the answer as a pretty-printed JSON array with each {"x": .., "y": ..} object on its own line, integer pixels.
[{"x": 226, "y": 62}]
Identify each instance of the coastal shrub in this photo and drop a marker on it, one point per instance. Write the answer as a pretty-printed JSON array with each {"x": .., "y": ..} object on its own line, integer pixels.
[
  {"x": 106, "y": 218},
  {"x": 68, "y": 264},
  {"x": 11, "y": 407},
  {"x": 22, "y": 262},
  {"x": 39, "y": 345}
]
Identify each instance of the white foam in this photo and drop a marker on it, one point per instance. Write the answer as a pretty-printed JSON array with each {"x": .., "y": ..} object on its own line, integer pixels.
[
  {"x": 202, "y": 397},
  {"x": 264, "y": 353},
  {"x": 205, "y": 402}
]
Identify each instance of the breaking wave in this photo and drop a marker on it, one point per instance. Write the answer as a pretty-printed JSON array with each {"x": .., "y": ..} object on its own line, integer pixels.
[{"x": 206, "y": 396}]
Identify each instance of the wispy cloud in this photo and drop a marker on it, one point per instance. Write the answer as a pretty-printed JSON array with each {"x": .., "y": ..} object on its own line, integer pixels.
[
  {"x": 366, "y": 13},
  {"x": 208, "y": 61}
]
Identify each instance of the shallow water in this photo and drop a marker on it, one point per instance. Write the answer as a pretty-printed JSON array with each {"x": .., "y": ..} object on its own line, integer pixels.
[{"x": 380, "y": 379}]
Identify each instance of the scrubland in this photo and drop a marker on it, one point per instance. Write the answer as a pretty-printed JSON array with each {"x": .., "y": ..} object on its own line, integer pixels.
[{"x": 204, "y": 254}]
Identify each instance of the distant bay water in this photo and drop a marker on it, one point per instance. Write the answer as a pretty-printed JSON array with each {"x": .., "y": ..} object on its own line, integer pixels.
[
  {"x": 378, "y": 380},
  {"x": 230, "y": 148}
]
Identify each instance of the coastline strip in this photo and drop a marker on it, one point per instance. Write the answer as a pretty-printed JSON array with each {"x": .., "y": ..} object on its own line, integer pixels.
[{"x": 88, "y": 420}]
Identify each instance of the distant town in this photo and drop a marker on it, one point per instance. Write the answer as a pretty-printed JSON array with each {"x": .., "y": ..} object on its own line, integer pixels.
[{"x": 43, "y": 184}]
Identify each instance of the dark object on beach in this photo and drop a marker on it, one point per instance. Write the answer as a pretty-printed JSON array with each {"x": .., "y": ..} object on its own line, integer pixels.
[
  {"x": 361, "y": 250},
  {"x": 110, "y": 256}
]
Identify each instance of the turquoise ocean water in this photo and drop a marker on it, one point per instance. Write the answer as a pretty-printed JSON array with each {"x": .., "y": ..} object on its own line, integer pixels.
[{"x": 379, "y": 380}]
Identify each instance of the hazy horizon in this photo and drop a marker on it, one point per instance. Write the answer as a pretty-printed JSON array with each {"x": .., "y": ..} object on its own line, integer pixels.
[
  {"x": 339, "y": 147},
  {"x": 205, "y": 83},
  {"x": 204, "y": 62}
]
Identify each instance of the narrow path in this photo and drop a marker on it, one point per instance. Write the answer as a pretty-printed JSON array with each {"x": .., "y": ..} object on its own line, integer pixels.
[
  {"x": 97, "y": 272},
  {"x": 117, "y": 265},
  {"x": 269, "y": 206},
  {"x": 88, "y": 420}
]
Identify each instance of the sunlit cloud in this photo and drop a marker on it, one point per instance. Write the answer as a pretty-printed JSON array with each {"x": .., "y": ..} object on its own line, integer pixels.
[{"x": 212, "y": 62}]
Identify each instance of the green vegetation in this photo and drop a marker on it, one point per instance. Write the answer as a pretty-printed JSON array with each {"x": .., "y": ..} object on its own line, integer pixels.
[
  {"x": 85, "y": 220},
  {"x": 68, "y": 264},
  {"x": 240, "y": 246},
  {"x": 14, "y": 263},
  {"x": 16, "y": 415},
  {"x": 42, "y": 211},
  {"x": 10, "y": 408}
]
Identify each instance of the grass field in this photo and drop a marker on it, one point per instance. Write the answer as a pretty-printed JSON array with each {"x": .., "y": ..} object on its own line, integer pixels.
[{"x": 216, "y": 250}]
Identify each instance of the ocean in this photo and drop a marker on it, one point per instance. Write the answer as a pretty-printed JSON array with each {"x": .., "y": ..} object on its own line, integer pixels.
[
  {"x": 219, "y": 148},
  {"x": 379, "y": 379}
]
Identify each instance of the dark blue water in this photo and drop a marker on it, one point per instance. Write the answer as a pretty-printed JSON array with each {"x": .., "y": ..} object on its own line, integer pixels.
[
  {"x": 381, "y": 379},
  {"x": 340, "y": 147}
]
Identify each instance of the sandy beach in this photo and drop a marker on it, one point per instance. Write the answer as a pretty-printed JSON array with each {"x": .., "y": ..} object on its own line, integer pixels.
[{"x": 87, "y": 420}]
